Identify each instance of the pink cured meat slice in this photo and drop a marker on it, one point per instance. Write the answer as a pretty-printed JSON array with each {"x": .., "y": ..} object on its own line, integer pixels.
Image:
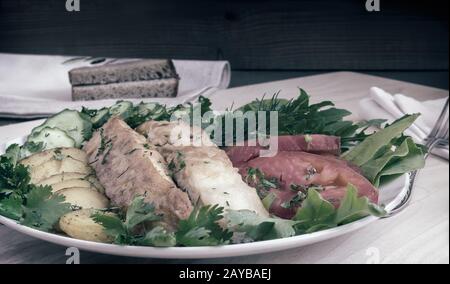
[
  {"x": 292, "y": 168},
  {"x": 315, "y": 143}
]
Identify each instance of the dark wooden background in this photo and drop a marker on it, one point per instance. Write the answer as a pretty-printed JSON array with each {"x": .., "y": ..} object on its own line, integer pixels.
[{"x": 253, "y": 35}]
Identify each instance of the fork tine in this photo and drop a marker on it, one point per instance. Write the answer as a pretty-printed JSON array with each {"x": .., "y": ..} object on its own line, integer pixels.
[
  {"x": 438, "y": 136},
  {"x": 440, "y": 127},
  {"x": 443, "y": 129},
  {"x": 440, "y": 121},
  {"x": 445, "y": 136}
]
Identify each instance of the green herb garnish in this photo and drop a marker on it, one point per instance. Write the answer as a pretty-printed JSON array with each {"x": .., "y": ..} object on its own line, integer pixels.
[
  {"x": 31, "y": 205},
  {"x": 125, "y": 230},
  {"x": 202, "y": 229}
]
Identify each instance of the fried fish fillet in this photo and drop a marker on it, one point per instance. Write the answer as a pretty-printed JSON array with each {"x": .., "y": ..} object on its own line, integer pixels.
[
  {"x": 127, "y": 166},
  {"x": 205, "y": 172}
]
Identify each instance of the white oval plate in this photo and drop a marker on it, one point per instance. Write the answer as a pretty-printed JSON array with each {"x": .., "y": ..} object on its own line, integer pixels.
[{"x": 390, "y": 194}]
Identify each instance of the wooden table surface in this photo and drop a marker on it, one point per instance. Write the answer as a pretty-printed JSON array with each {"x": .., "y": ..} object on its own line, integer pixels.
[{"x": 420, "y": 234}]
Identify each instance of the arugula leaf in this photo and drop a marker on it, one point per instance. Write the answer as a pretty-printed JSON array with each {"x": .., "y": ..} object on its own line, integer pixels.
[
  {"x": 202, "y": 228},
  {"x": 353, "y": 208},
  {"x": 401, "y": 157},
  {"x": 315, "y": 214},
  {"x": 262, "y": 231},
  {"x": 43, "y": 209},
  {"x": 258, "y": 228},
  {"x": 365, "y": 124},
  {"x": 388, "y": 153},
  {"x": 413, "y": 161},
  {"x": 318, "y": 214},
  {"x": 366, "y": 150}
]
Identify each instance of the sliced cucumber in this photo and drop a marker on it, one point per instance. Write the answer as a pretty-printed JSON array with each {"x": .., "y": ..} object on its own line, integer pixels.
[
  {"x": 75, "y": 124},
  {"x": 149, "y": 106},
  {"x": 101, "y": 117},
  {"x": 51, "y": 138},
  {"x": 152, "y": 110},
  {"x": 158, "y": 112},
  {"x": 181, "y": 112},
  {"x": 142, "y": 110},
  {"x": 121, "y": 109}
]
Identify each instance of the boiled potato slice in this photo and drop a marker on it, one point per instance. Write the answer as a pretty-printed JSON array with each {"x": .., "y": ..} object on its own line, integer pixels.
[
  {"x": 54, "y": 167},
  {"x": 72, "y": 183},
  {"x": 80, "y": 225},
  {"x": 84, "y": 197},
  {"x": 73, "y": 176},
  {"x": 55, "y": 154},
  {"x": 61, "y": 178}
]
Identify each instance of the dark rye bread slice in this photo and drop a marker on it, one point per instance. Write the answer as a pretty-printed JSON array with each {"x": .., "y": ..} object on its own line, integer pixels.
[
  {"x": 137, "y": 70},
  {"x": 128, "y": 90}
]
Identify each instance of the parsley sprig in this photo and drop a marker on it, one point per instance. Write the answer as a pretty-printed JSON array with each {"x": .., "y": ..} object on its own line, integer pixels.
[
  {"x": 202, "y": 228},
  {"x": 137, "y": 227},
  {"x": 131, "y": 228},
  {"x": 299, "y": 116},
  {"x": 31, "y": 205}
]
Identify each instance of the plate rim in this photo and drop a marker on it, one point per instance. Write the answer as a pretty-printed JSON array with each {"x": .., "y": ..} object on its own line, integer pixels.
[{"x": 199, "y": 252}]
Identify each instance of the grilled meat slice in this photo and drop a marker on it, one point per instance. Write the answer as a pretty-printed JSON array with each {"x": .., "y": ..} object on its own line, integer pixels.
[
  {"x": 296, "y": 171},
  {"x": 127, "y": 167},
  {"x": 314, "y": 143}
]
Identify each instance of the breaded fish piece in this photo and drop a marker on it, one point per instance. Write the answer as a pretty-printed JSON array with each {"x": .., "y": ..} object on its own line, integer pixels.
[
  {"x": 205, "y": 173},
  {"x": 127, "y": 166}
]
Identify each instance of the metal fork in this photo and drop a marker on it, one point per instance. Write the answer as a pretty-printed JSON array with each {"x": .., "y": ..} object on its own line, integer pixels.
[{"x": 437, "y": 138}]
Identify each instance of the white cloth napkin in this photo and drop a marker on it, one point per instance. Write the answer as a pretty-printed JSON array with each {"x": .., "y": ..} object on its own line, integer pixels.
[
  {"x": 38, "y": 85},
  {"x": 381, "y": 104}
]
